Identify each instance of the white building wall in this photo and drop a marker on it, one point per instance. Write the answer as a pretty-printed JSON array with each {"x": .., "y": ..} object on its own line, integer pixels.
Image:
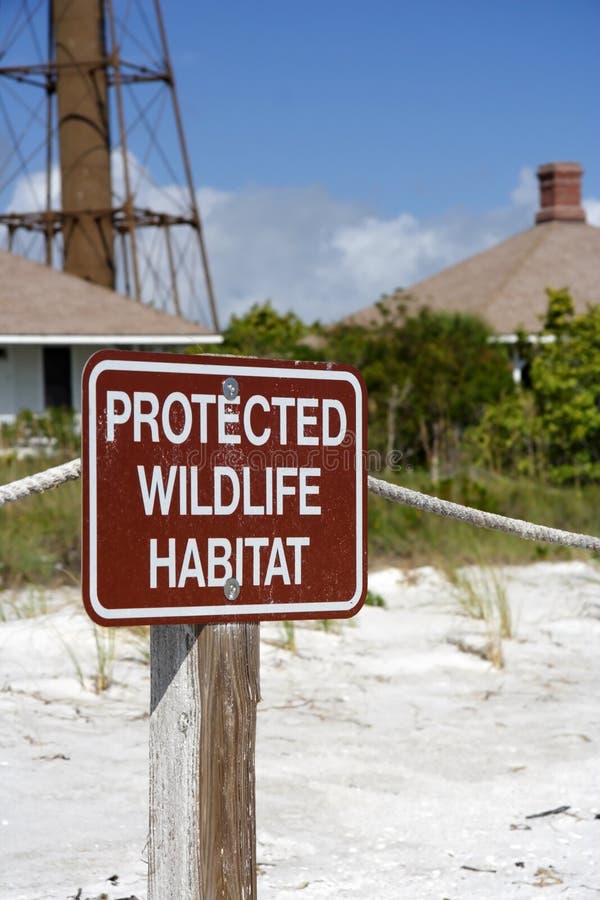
[
  {"x": 21, "y": 384},
  {"x": 29, "y": 377},
  {"x": 22, "y": 375},
  {"x": 7, "y": 384}
]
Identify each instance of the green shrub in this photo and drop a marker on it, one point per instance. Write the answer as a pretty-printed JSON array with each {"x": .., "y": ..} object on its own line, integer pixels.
[
  {"x": 373, "y": 599},
  {"x": 55, "y": 431},
  {"x": 40, "y": 535}
]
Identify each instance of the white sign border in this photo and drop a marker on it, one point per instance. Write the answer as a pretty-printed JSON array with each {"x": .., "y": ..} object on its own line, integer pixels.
[{"x": 228, "y": 611}]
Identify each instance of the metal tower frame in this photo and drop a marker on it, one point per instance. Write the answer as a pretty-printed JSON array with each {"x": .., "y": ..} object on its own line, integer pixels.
[{"x": 73, "y": 26}]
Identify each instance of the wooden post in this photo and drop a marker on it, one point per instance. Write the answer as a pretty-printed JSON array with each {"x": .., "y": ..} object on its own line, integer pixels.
[{"x": 205, "y": 687}]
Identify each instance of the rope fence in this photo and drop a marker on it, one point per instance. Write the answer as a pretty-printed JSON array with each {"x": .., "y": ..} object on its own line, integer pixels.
[
  {"x": 40, "y": 482},
  {"x": 528, "y": 531}
]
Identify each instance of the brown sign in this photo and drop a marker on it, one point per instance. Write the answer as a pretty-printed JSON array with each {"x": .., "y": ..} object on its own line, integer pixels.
[{"x": 220, "y": 489}]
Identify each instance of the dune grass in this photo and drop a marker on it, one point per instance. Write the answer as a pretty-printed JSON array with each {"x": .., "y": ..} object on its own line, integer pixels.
[
  {"x": 481, "y": 594},
  {"x": 40, "y": 535}
]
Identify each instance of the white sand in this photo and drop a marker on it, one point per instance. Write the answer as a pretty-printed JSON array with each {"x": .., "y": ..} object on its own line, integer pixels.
[{"x": 388, "y": 760}]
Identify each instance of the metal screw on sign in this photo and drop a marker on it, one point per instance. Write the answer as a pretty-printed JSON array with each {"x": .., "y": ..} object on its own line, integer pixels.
[
  {"x": 231, "y": 388},
  {"x": 231, "y": 589}
]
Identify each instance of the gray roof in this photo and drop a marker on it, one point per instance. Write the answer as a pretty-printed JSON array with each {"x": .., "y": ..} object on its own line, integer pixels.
[
  {"x": 506, "y": 284},
  {"x": 39, "y": 301}
]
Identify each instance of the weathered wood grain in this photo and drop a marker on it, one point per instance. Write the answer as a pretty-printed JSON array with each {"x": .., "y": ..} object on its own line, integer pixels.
[
  {"x": 205, "y": 687},
  {"x": 230, "y": 689}
]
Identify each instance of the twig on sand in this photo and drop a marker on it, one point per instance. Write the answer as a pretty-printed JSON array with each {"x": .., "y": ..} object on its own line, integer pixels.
[
  {"x": 475, "y": 869},
  {"x": 549, "y": 812}
]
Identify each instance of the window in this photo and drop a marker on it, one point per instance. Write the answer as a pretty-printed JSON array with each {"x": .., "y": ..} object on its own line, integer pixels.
[{"x": 57, "y": 377}]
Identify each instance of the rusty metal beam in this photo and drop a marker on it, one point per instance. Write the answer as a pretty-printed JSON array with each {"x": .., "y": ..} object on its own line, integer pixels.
[
  {"x": 187, "y": 167},
  {"x": 84, "y": 138},
  {"x": 141, "y": 218},
  {"x": 124, "y": 153},
  {"x": 43, "y": 70},
  {"x": 50, "y": 89},
  {"x": 83, "y": 63}
]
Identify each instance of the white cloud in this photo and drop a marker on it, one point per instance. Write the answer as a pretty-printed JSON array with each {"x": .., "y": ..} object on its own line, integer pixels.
[
  {"x": 526, "y": 192},
  {"x": 309, "y": 251},
  {"x": 592, "y": 209},
  {"x": 401, "y": 246},
  {"x": 30, "y": 192},
  {"x": 323, "y": 258}
]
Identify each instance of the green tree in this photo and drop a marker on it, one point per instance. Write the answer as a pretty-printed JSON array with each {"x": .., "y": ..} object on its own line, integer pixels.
[
  {"x": 508, "y": 438},
  {"x": 264, "y": 332},
  {"x": 429, "y": 376},
  {"x": 455, "y": 371},
  {"x": 552, "y": 427},
  {"x": 565, "y": 378}
]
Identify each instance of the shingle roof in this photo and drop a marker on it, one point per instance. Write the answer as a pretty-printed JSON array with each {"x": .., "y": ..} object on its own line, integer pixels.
[
  {"x": 506, "y": 284},
  {"x": 39, "y": 301}
]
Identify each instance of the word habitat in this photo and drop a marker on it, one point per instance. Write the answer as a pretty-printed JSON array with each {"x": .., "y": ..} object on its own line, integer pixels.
[
  {"x": 221, "y": 489},
  {"x": 267, "y": 559}
]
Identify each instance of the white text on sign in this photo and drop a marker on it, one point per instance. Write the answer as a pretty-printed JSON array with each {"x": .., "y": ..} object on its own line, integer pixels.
[
  {"x": 221, "y": 559},
  {"x": 318, "y": 422},
  {"x": 222, "y": 490}
]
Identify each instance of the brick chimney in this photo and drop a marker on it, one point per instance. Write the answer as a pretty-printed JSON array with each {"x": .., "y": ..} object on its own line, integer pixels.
[{"x": 560, "y": 193}]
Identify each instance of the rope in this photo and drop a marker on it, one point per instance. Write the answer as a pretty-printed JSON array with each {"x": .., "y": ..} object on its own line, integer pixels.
[
  {"x": 51, "y": 478},
  {"x": 519, "y": 527},
  {"x": 42, "y": 481}
]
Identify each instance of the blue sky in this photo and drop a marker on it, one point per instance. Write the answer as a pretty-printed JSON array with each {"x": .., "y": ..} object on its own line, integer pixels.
[
  {"x": 419, "y": 106},
  {"x": 342, "y": 149},
  {"x": 363, "y": 146}
]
